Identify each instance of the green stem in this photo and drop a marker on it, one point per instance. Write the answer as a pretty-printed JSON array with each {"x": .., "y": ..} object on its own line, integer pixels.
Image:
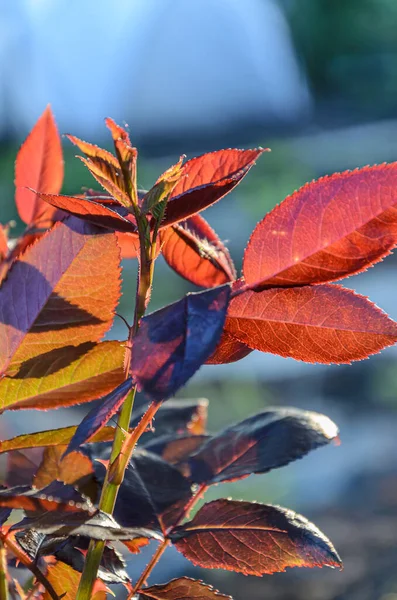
[
  {"x": 118, "y": 463},
  {"x": 4, "y": 595}
]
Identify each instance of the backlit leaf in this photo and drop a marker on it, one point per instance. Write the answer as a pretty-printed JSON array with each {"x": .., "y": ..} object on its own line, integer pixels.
[
  {"x": 63, "y": 291},
  {"x": 39, "y": 165},
  {"x": 64, "y": 580},
  {"x": 330, "y": 228},
  {"x": 54, "y": 497},
  {"x": 183, "y": 588},
  {"x": 325, "y": 324},
  {"x": 178, "y": 338},
  {"x": 3, "y": 242},
  {"x": 196, "y": 253},
  {"x": 110, "y": 215},
  {"x": 253, "y": 539},
  {"x": 99, "y": 415},
  {"x": 207, "y": 179},
  {"x": 265, "y": 441},
  {"x": 49, "y": 438},
  {"x": 63, "y": 377},
  {"x": 228, "y": 350},
  {"x": 109, "y": 177},
  {"x": 75, "y": 469}
]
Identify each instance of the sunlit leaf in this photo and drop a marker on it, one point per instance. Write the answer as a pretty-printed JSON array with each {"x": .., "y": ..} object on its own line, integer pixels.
[
  {"x": 265, "y": 441},
  {"x": 253, "y": 539},
  {"x": 183, "y": 588},
  {"x": 64, "y": 580},
  {"x": 110, "y": 215},
  {"x": 228, "y": 350},
  {"x": 196, "y": 253},
  {"x": 178, "y": 338},
  {"x": 207, "y": 179},
  {"x": 39, "y": 165},
  {"x": 63, "y": 377},
  {"x": 51, "y": 437},
  {"x": 63, "y": 291},
  {"x": 330, "y": 228},
  {"x": 325, "y": 324}
]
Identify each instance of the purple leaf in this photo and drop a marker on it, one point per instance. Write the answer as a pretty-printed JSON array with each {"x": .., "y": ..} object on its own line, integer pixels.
[
  {"x": 99, "y": 415},
  {"x": 178, "y": 339}
]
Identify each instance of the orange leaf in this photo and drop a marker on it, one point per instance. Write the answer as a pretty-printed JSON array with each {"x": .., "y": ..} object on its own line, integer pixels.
[
  {"x": 327, "y": 230},
  {"x": 325, "y": 323},
  {"x": 39, "y": 165}
]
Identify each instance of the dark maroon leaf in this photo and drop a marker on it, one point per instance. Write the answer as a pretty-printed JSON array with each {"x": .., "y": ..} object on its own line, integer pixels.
[
  {"x": 183, "y": 588},
  {"x": 54, "y": 497},
  {"x": 178, "y": 338},
  {"x": 206, "y": 180},
  {"x": 265, "y": 441},
  {"x": 175, "y": 448},
  {"x": 99, "y": 415},
  {"x": 97, "y": 526},
  {"x": 253, "y": 539},
  {"x": 151, "y": 494},
  {"x": 112, "y": 568},
  {"x": 176, "y": 417}
]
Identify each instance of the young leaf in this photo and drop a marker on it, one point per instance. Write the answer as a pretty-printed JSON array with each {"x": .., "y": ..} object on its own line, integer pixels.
[
  {"x": 43, "y": 304},
  {"x": 52, "y": 437},
  {"x": 265, "y": 441},
  {"x": 111, "y": 215},
  {"x": 228, "y": 350},
  {"x": 178, "y": 338},
  {"x": 54, "y": 497},
  {"x": 177, "y": 416},
  {"x": 94, "y": 152},
  {"x": 183, "y": 588},
  {"x": 162, "y": 189},
  {"x": 253, "y": 539},
  {"x": 325, "y": 324},
  {"x": 206, "y": 180},
  {"x": 109, "y": 177},
  {"x": 330, "y": 228},
  {"x": 99, "y": 415},
  {"x": 196, "y": 253},
  {"x": 63, "y": 377},
  {"x": 39, "y": 165}
]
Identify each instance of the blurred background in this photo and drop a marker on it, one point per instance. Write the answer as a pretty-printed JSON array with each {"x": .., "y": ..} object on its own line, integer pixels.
[{"x": 316, "y": 81}]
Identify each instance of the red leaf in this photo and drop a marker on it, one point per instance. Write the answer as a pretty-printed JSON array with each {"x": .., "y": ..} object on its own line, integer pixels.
[
  {"x": 228, "y": 350},
  {"x": 3, "y": 243},
  {"x": 178, "y": 338},
  {"x": 252, "y": 539},
  {"x": 109, "y": 215},
  {"x": 207, "y": 179},
  {"x": 325, "y": 324},
  {"x": 43, "y": 304},
  {"x": 330, "y": 228},
  {"x": 39, "y": 165},
  {"x": 196, "y": 253},
  {"x": 183, "y": 588}
]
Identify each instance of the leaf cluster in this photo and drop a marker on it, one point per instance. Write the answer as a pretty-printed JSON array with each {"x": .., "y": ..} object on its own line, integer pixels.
[{"x": 98, "y": 484}]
